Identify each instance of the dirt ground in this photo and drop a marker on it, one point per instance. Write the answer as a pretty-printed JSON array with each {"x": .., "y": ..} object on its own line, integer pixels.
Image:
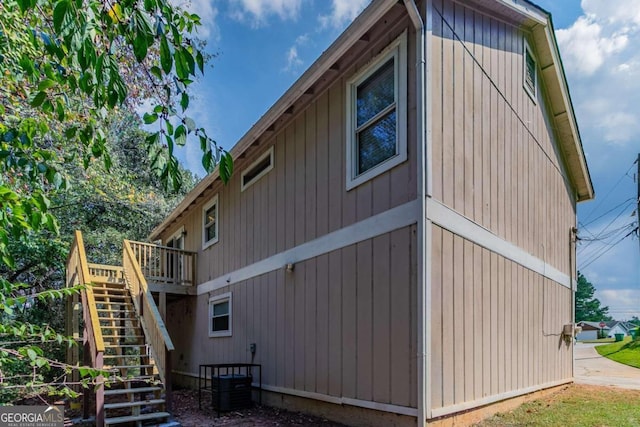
[{"x": 185, "y": 411}]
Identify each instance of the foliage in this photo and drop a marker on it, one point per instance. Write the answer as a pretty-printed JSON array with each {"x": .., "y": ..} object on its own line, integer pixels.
[
  {"x": 626, "y": 351},
  {"x": 588, "y": 308},
  {"x": 107, "y": 207},
  {"x": 68, "y": 67}
]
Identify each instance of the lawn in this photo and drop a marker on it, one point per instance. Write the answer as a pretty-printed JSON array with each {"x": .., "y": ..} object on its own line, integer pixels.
[
  {"x": 575, "y": 406},
  {"x": 601, "y": 341},
  {"x": 626, "y": 351}
]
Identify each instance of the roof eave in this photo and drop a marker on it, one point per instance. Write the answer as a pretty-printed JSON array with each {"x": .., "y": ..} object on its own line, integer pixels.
[{"x": 372, "y": 13}]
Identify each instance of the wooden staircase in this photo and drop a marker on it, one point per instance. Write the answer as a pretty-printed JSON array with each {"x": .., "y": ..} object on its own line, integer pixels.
[
  {"x": 133, "y": 393},
  {"x": 124, "y": 337}
]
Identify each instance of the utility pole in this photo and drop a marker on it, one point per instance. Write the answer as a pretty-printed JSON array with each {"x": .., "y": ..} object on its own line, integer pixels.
[{"x": 638, "y": 200}]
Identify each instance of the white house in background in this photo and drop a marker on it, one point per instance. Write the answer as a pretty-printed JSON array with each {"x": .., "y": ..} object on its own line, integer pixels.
[{"x": 616, "y": 327}]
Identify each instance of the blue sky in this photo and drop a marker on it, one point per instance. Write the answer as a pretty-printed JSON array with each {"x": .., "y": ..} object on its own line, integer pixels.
[{"x": 263, "y": 46}]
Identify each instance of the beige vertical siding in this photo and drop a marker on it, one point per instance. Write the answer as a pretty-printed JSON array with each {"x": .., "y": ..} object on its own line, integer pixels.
[
  {"x": 342, "y": 324},
  {"x": 495, "y": 158},
  {"x": 495, "y": 325},
  {"x": 304, "y": 196}
]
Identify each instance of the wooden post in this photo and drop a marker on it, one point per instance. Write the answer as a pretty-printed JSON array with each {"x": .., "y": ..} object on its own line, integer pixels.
[
  {"x": 86, "y": 361},
  {"x": 99, "y": 392},
  {"x": 167, "y": 379},
  {"x": 163, "y": 306}
]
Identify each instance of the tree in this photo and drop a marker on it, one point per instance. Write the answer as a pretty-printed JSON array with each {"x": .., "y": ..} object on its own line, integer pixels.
[
  {"x": 588, "y": 307},
  {"x": 66, "y": 67}
]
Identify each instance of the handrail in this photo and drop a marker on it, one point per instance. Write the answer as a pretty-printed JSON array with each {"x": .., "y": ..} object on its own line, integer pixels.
[
  {"x": 163, "y": 265},
  {"x": 151, "y": 321},
  {"x": 78, "y": 273},
  {"x": 85, "y": 277}
]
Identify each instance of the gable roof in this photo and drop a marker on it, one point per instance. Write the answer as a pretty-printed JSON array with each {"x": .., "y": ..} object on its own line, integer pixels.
[{"x": 533, "y": 17}]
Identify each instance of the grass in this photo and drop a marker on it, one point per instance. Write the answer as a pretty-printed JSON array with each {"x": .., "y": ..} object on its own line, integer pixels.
[
  {"x": 575, "y": 406},
  {"x": 626, "y": 351}
]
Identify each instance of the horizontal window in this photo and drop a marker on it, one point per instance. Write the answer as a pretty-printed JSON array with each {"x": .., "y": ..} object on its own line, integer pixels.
[{"x": 257, "y": 169}]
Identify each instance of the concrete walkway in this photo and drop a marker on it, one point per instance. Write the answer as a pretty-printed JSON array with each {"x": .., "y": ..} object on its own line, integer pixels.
[{"x": 593, "y": 369}]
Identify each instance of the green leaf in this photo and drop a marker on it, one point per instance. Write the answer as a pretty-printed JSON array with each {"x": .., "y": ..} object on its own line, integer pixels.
[
  {"x": 200, "y": 61},
  {"x": 32, "y": 354},
  {"x": 59, "y": 13},
  {"x": 140, "y": 46},
  {"x": 165, "y": 56},
  {"x": 38, "y": 99},
  {"x": 184, "y": 101},
  {"x": 180, "y": 135},
  {"x": 181, "y": 65},
  {"x": 150, "y": 118}
]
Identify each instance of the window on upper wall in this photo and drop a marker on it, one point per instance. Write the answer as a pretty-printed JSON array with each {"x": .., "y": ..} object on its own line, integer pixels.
[
  {"x": 530, "y": 76},
  {"x": 220, "y": 315},
  {"x": 210, "y": 215},
  {"x": 257, "y": 169},
  {"x": 377, "y": 115}
]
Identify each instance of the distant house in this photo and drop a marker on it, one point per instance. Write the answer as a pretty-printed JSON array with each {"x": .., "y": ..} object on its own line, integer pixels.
[
  {"x": 616, "y": 327},
  {"x": 397, "y": 243},
  {"x": 590, "y": 330}
]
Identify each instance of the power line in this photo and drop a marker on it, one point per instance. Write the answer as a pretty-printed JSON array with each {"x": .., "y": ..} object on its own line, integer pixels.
[
  {"x": 606, "y": 246},
  {"x": 610, "y": 191},
  {"x": 608, "y": 249},
  {"x": 630, "y": 199}
]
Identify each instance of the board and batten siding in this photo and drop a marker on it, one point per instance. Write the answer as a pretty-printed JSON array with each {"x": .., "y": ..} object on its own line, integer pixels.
[
  {"x": 304, "y": 196},
  {"x": 495, "y": 156},
  {"x": 496, "y": 326},
  {"x": 341, "y": 324}
]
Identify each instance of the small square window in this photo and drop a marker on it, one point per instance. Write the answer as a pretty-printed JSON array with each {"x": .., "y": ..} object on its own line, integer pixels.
[
  {"x": 220, "y": 315},
  {"x": 210, "y": 215},
  {"x": 376, "y": 115},
  {"x": 530, "y": 74}
]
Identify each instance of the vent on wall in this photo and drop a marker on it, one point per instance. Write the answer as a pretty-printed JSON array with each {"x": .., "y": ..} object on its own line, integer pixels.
[
  {"x": 257, "y": 169},
  {"x": 530, "y": 75}
]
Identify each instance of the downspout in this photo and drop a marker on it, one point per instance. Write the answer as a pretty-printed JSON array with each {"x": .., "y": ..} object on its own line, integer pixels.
[{"x": 422, "y": 294}]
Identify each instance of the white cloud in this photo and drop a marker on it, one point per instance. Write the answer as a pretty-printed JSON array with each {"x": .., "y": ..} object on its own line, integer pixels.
[
  {"x": 342, "y": 13},
  {"x": 586, "y": 47},
  {"x": 207, "y": 13},
  {"x": 622, "y": 303},
  {"x": 293, "y": 60},
  {"x": 614, "y": 11},
  {"x": 256, "y": 12}
]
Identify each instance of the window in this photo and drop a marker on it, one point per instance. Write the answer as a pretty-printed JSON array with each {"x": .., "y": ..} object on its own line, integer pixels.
[
  {"x": 257, "y": 169},
  {"x": 376, "y": 115},
  {"x": 210, "y": 215},
  {"x": 220, "y": 315},
  {"x": 530, "y": 77}
]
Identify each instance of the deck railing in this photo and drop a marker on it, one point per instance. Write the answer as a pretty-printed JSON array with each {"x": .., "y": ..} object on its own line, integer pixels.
[
  {"x": 154, "y": 328},
  {"x": 164, "y": 265},
  {"x": 106, "y": 273},
  {"x": 78, "y": 273}
]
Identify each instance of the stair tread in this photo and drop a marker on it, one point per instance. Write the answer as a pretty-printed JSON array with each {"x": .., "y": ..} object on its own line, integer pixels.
[
  {"x": 130, "y": 418},
  {"x": 133, "y": 404},
  {"x": 111, "y": 356},
  {"x": 112, "y": 392},
  {"x": 124, "y": 345},
  {"x": 121, "y": 379},
  {"x": 111, "y": 368}
]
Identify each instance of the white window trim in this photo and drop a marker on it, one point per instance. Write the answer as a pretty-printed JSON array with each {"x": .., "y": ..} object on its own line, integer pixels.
[
  {"x": 397, "y": 49},
  {"x": 205, "y": 243},
  {"x": 526, "y": 48},
  {"x": 217, "y": 299},
  {"x": 268, "y": 153},
  {"x": 179, "y": 232}
]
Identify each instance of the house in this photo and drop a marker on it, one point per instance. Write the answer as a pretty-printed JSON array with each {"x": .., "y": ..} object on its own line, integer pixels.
[
  {"x": 397, "y": 243},
  {"x": 616, "y": 328},
  {"x": 590, "y": 330}
]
